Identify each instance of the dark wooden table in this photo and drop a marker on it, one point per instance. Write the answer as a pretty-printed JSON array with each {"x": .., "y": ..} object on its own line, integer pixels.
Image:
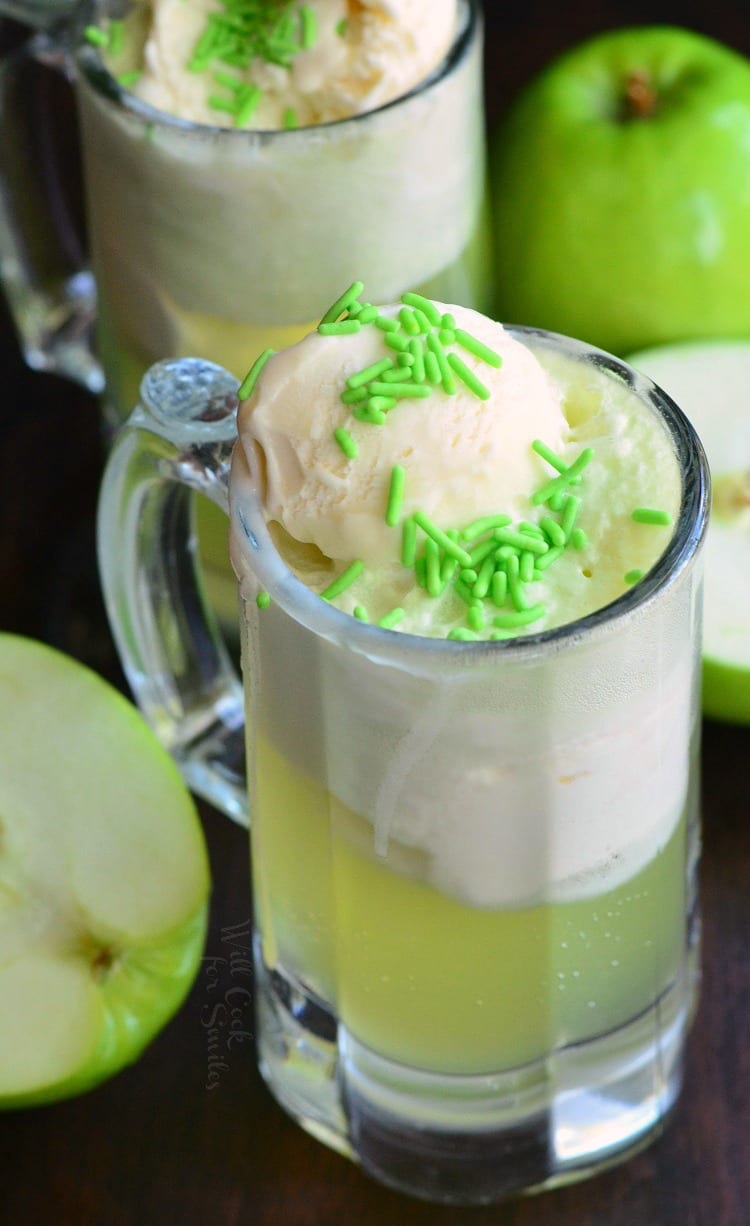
[{"x": 156, "y": 1144}]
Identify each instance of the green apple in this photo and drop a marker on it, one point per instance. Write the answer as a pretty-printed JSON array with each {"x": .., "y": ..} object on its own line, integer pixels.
[
  {"x": 103, "y": 878},
  {"x": 711, "y": 382},
  {"x": 622, "y": 189}
]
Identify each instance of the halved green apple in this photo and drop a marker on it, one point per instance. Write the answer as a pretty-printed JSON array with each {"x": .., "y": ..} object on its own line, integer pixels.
[
  {"x": 710, "y": 380},
  {"x": 103, "y": 878}
]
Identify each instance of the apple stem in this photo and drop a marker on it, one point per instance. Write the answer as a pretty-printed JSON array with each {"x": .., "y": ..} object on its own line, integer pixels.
[{"x": 640, "y": 96}]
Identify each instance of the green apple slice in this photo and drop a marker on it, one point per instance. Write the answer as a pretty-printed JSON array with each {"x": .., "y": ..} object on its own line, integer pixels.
[
  {"x": 710, "y": 380},
  {"x": 103, "y": 878}
]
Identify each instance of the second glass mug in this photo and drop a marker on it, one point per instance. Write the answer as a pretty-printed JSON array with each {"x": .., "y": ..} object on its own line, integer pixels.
[
  {"x": 460, "y": 1048},
  {"x": 226, "y": 242}
]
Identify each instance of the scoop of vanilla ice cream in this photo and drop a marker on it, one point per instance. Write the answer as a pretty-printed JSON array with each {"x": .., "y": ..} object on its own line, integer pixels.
[
  {"x": 465, "y": 457},
  {"x": 364, "y": 53}
]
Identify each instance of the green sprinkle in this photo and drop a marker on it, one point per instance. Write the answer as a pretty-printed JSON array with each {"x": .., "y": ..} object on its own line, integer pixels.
[
  {"x": 478, "y": 348},
  {"x": 409, "y": 321},
  {"x": 517, "y": 593},
  {"x": 343, "y": 303},
  {"x": 247, "y": 385},
  {"x": 360, "y": 612},
  {"x": 408, "y": 542},
  {"x": 395, "y": 495},
  {"x": 370, "y": 372},
  {"x": 345, "y": 580},
  {"x": 368, "y": 314},
  {"x": 461, "y": 635},
  {"x": 432, "y": 559},
  {"x": 526, "y": 567},
  {"x": 228, "y": 81},
  {"x": 341, "y": 27},
  {"x": 648, "y": 515},
  {"x": 95, "y": 36},
  {"x": 498, "y": 635},
  {"x": 406, "y": 359},
  {"x": 520, "y": 540},
  {"x": 499, "y": 588},
  {"x": 354, "y": 395},
  {"x": 381, "y": 403},
  {"x": 228, "y": 105},
  {"x": 513, "y": 565},
  {"x": 424, "y": 324},
  {"x": 417, "y": 353},
  {"x": 486, "y": 524},
  {"x": 448, "y": 321},
  {"x": 559, "y": 484},
  {"x": 448, "y": 569},
  {"x": 291, "y": 118},
  {"x": 309, "y": 27},
  {"x": 469, "y": 576},
  {"x": 556, "y": 500},
  {"x": 447, "y": 336},
  {"x": 128, "y": 79},
  {"x": 402, "y": 391},
  {"x": 633, "y": 576},
  {"x": 344, "y": 327},
  {"x": 420, "y": 572},
  {"x": 529, "y": 529},
  {"x": 400, "y": 374},
  {"x": 463, "y": 592},
  {"x": 482, "y": 550},
  {"x": 394, "y": 341},
  {"x": 431, "y": 369},
  {"x": 571, "y": 507},
  {"x": 484, "y": 578},
  {"x": 476, "y": 617},
  {"x": 392, "y": 619},
  {"x": 519, "y": 617},
  {"x": 346, "y": 443},
  {"x": 554, "y": 553},
  {"x": 263, "y": 600},
  {"x": 420, "y": 303},
  {"x": 386, "y": 324},
  {"x": 369, "y": 413},
  {"x": 549, "y": 455},
  {"x": 578, "y": 538},
  {"x": 468, "y": 377},
  {"x": 553, "y": 531},
  {"x": 246, "y": 105},
  {"x": 446, "y": 378},
  {"x": 116, "y": 31},
  {"x": 444, "y": 541}
]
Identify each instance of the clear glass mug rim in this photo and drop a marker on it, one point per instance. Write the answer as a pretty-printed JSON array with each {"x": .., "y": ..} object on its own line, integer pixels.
[
  {"x": 399, "y": 648},
  {"x": 89, "y": 60}
]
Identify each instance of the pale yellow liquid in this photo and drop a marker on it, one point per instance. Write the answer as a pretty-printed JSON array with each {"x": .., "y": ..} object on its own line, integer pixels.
[{"x": 429, "y": 981}]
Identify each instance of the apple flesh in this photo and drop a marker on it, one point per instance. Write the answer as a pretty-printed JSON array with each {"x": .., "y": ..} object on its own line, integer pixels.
[
  {"x": 710, "y": 381},
  {"x": 621, "y": 181},
  {"x": 103, "y": 878}
]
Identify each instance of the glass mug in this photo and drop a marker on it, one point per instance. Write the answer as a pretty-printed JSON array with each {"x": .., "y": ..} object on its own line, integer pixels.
[
  {"x": 222, "y": 241},
  {"x": 452, "y": 1002}
]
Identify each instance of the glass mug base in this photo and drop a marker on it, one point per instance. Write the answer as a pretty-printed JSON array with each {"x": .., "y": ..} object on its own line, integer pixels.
[{"x": 471, "y": 1140}]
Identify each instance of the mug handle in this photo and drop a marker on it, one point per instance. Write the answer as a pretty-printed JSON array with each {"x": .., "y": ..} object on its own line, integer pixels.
[
  {"x": 179, "y": 439},
  {"x": 48, "y": 285}
]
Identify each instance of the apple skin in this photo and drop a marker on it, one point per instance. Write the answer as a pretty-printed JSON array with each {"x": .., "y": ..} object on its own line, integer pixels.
[
  {"x": 630, "y": 232},
  {"x": 710, "y": 380},
  {"x": 104, "y": 879}
]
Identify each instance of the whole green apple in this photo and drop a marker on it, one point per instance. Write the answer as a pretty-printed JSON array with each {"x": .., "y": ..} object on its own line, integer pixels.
[
  {"x": 622, "y": 192},
  {"x": 103, "y": 878}
]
